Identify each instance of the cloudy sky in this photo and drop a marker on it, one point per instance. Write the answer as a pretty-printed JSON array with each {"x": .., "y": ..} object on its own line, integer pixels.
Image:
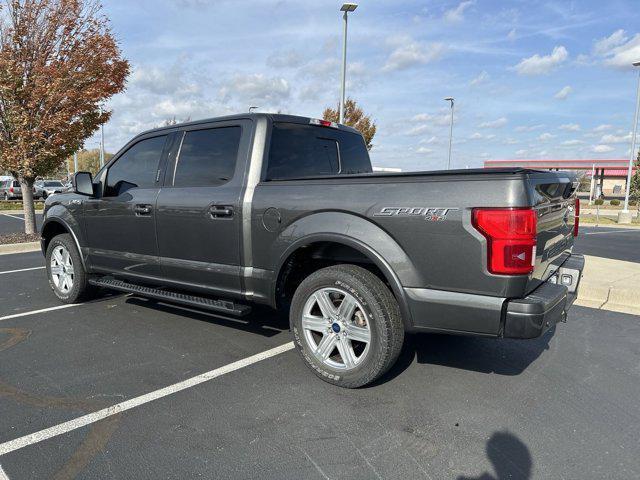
[{"x": 531, "y": 79}]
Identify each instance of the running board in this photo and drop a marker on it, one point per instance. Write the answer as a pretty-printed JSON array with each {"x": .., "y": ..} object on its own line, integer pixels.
[{"x": 220, "y": 306}]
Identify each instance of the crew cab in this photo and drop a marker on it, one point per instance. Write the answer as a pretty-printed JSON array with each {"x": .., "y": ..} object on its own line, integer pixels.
[{"x": 285, "y": 211}]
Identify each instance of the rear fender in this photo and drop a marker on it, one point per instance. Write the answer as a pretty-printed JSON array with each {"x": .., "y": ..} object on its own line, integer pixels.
[{"x": 357, "y": 233}]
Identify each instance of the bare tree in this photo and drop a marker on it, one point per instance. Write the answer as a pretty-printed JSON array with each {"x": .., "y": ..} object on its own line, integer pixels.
[{"x": 58, "y": 63}]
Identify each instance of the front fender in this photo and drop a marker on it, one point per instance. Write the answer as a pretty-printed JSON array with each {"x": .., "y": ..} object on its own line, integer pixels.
[
  {"x": 355, "y": 232},
  {"x": 60, "y": 215}
]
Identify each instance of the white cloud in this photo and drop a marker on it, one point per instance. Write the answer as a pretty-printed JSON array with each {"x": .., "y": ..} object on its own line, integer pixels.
[
  {"x": 529, "y": 128},
  {"x": 546, "y": 136},
  {"x": 256, "y": 89},
  {"x": 604, "y": 45},
  {"x": 424, "y": 150},
  {"x": 409, "y": 53},
  {"x": 456, "y": 15},
  {"x": 476, "y": 136},
  {"x": 603, "y": 128},
  {"x": 510, "y": 141},
  {"x": 286, "y": 59},
  {"x": 522, "y": 152},
  {"x": 481, "y": 78},
  {"x": 618, "y": 50},
  {"x": 571, "y": 143},
  {"x": 429, "y": 141},
  {"x": 570, "y": 127},
  {"x": 609, "y": 139},
  {"x": 601, "y": 149},
  {"x": 499, "y": 123},
  {"x": 540, "y": 65},
  {"x": 563, "y": 92},
  {"x": 512, "y": 35}
]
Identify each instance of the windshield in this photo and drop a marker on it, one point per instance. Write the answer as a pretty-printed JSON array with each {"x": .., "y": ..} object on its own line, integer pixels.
[{"x": 53, "y": 184}]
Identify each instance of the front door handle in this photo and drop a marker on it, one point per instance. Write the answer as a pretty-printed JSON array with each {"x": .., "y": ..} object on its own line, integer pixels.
[
  {"x": 221, "y": 211},
  {"x": 142, "y": 209}
]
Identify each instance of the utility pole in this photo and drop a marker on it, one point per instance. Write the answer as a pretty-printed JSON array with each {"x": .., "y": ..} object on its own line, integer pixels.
[
  {"x": 624, "y": 216},
  {"x": 101, "y": 142}
]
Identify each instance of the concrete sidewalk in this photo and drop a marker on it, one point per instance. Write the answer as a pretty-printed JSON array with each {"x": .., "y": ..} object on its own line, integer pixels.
[{"x": 610, "y": 285}]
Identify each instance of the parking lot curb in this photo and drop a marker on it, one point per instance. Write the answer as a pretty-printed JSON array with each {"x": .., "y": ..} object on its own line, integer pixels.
[
  {"x": 608, "y": 284},
  {"x": 19, "y": 248}
]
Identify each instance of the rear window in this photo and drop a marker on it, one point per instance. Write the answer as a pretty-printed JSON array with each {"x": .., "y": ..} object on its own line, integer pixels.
[
  {"x": 16, "y": 183},
  {"x": 299, "y": 151},
  {"x": 52, "y": 184}
]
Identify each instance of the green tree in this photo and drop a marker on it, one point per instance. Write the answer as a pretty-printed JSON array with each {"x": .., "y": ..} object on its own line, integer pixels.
[
  {"x": 59, "y": 63},
  {"x": 354, "y": 117}
]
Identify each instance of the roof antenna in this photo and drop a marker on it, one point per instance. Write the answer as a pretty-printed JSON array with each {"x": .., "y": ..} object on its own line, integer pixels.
[{"x": 252, "y": 107}]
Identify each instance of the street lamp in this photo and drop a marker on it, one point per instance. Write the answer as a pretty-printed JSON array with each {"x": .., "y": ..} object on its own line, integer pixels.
[
  {"x": 346, "y": 8},
  {"x": 624, "y": 216},
  {"x": 450, "y": 99},
  {"x": 101, "y": 141}
]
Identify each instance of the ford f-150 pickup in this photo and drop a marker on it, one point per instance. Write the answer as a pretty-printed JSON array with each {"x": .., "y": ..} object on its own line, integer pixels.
[{"x": 286, "y": 211}]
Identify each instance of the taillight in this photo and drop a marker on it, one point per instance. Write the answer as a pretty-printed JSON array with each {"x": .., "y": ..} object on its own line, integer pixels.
[
  {"x": 11, "y": 189},
  {"x": 511, "y": 238},
  {"x": 576, "y": 219}
]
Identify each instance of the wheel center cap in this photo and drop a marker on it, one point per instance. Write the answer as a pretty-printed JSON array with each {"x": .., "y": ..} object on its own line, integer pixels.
[{"x": 335, "y": 327}]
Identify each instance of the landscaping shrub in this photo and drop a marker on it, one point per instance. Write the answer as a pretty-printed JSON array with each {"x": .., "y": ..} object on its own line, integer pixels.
[
  {"x": 615, "y": 202},
  {"x": 598, "y": 201}
]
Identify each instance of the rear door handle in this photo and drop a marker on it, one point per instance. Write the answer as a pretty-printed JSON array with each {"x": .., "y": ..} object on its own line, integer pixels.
[
  {"x": 221, "y": 211},
  {"x": 142, "y": 209}
]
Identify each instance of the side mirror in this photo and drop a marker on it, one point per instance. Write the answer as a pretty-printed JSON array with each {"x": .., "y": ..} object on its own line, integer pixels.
[{"x": 83, "y": 182}]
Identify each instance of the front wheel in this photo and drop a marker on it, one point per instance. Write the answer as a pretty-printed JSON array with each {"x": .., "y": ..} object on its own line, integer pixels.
[
  {"x": 67, "y": 276},
  {"x": 347, "y": 325}
]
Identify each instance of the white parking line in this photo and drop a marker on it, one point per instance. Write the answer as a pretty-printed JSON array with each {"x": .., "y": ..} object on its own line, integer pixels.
[
  {"x": 12, "y": 216},
  {"x": 612, "y": 231},
  {"x": 3, "y": 475},
  {"x": 18, "y": 443},
  {"x": 42, "y": 310},
  {"x": 21, "y": 270}
]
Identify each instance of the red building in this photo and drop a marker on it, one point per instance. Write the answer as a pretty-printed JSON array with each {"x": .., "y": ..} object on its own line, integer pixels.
[{"x": 610, "y": 175}]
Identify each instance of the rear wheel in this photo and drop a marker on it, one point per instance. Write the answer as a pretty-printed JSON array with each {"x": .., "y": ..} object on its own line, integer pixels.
[
  {"x": 347, "y": 325},
  {"x": 67, "y": 276}
]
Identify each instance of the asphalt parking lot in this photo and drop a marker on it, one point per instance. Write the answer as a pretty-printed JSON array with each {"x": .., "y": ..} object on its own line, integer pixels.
[
  {"x": 562, "y": 406},
  {"x": 14, "y": 222}
]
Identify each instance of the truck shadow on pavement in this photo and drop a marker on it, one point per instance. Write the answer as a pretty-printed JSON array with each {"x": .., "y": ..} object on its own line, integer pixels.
[
  {"x": 509, "y": 456},
  {"x": 484, "y": 355},
  {"x": 261, "y": 320}
]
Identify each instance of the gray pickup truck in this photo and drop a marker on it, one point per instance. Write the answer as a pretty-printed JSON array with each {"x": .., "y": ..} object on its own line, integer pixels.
[{"x": 286, "y": 211}]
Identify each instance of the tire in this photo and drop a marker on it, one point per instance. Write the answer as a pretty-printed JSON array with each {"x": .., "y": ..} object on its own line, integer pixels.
[
  {"x": 63, "y": 260},
  {"x": 6, "y": 197},
  {"x": 359, "y": 301}
]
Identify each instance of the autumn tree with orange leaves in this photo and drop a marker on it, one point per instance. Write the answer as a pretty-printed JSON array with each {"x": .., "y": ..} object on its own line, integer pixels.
[
  {"x": 59, "y": 62},
  {"x": 355, "y": 117}
]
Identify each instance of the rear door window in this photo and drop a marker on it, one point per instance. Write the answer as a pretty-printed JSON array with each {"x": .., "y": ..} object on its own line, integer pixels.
[
  {"x": 207, "y": 157},
  {"x": 299, "y": 151}
]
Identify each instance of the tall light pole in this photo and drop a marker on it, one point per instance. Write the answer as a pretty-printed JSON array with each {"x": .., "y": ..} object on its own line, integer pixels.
[
  {"x": 624, "y": 216},
  {"x": 346, "y": 8},
  {"x": 101, "y": 142},
  {"x": 452, "y": 100}
]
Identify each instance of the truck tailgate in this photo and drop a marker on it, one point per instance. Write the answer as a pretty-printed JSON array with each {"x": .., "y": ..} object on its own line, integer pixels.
[{"x": 554, "y": 200}]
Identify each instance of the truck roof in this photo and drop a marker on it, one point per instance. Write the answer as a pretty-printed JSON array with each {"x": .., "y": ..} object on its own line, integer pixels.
[{"x": 274, "y": 117}]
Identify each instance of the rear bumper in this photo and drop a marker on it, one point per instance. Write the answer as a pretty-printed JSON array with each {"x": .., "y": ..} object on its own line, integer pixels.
[
  {"x": 547, "y": 305},
  {"x": 529, "y": 317}
]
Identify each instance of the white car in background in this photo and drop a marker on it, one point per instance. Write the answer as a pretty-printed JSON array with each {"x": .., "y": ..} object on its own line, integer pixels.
[{"x": 45, "y": 188}]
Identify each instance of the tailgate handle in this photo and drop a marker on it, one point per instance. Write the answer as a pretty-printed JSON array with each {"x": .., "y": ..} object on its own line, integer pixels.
[{"x": 221, "y": 211}]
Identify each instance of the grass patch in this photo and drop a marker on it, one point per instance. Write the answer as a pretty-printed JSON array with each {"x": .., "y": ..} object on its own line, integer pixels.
[
  {"x": 591, "y": 219},
  {"x": 18, "y": 205}
]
